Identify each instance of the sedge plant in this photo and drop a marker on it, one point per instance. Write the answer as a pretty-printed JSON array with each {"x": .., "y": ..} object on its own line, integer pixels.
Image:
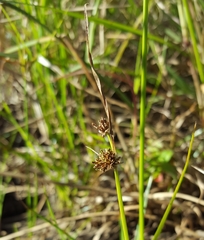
[{"x": 107, "y": 159}]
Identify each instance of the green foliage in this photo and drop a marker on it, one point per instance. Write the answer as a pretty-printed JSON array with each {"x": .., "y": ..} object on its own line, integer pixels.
[
  {"x": 49, "y": 100},
  {"x": 158, "y": 160}
]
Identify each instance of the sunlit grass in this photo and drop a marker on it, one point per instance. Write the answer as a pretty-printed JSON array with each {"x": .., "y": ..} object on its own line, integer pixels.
[{"x": 48, "y": 124}]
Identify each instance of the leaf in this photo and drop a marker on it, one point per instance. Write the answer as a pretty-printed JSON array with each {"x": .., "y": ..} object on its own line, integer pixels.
[
  {"x": 95, "y": 75},
  {"x": 165, "y": 156}
]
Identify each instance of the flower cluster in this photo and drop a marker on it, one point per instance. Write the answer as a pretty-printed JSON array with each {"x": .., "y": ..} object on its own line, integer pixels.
[
  {"x": 106, "y": 160},
  {"x": 103, "y": 127}
]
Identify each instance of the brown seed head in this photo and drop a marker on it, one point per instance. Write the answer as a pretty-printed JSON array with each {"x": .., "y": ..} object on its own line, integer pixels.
[
  {"x": 103, "y": 127},
  {"x": 106, "y": 160}
]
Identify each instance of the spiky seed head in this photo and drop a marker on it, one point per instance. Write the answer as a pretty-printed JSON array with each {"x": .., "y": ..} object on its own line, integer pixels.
[
  {"x": 106, "y": 160},
  {"x": 103, "y": 127}
]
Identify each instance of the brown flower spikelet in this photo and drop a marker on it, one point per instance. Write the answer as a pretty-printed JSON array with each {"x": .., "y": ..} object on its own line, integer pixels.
[
  {"x": 103, "y": 127},
  {"x": 106, "y": 160}
]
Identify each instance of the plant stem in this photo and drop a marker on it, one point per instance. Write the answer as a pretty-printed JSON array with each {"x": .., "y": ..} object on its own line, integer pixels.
[
  {"x": 169, "y": 207},
  {"x": 119, "y": 194},
  {"x": 193, "y": 40},
  {"x": 120, "y": 202},
  {"x": 142, "y": 118}
]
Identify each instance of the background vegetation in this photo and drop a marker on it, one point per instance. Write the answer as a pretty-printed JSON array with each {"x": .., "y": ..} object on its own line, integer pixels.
[{"x": 48, "y": 101}]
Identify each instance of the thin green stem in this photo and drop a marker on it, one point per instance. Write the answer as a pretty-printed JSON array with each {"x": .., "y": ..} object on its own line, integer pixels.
[
  {"x": 163, "y": 220},
  {"x": 120, "y": 202},
  {"x": 142, "y": 117},
  {"x": 193, "y": 39},
  {"x": 119, "y": 194}
]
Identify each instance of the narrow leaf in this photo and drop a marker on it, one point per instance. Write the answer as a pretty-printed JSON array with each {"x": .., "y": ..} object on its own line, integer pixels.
[{"x": 98, "y": 82}]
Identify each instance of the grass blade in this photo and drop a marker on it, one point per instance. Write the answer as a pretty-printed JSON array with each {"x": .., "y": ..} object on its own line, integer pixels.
[
  {"x": 163, "y": 220},
  {"x": 142, "y": 117},
  {"x": 193, "y": 39}
]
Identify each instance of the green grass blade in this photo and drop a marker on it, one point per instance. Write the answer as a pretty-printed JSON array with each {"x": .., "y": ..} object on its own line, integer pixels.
[
  {"x": 125, "y": 28},
  {"x": 146, "y": 193},
  {"x": 8, "y": 52},
  {"x": 23, "y": 134},
  {"x": 163, "y": 220},
  {"x": 29, "y": 16},
  {"x": 193, "y": 39},
  {"x": 142, "y": 117},
  {"x": 107, "y": 23},
  {"x": 138, "y": 69},
  {"x": 120, "y": 202}
]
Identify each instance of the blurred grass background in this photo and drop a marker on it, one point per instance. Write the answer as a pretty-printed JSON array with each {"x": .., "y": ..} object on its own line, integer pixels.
[{"x": 48, "y": 101}]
